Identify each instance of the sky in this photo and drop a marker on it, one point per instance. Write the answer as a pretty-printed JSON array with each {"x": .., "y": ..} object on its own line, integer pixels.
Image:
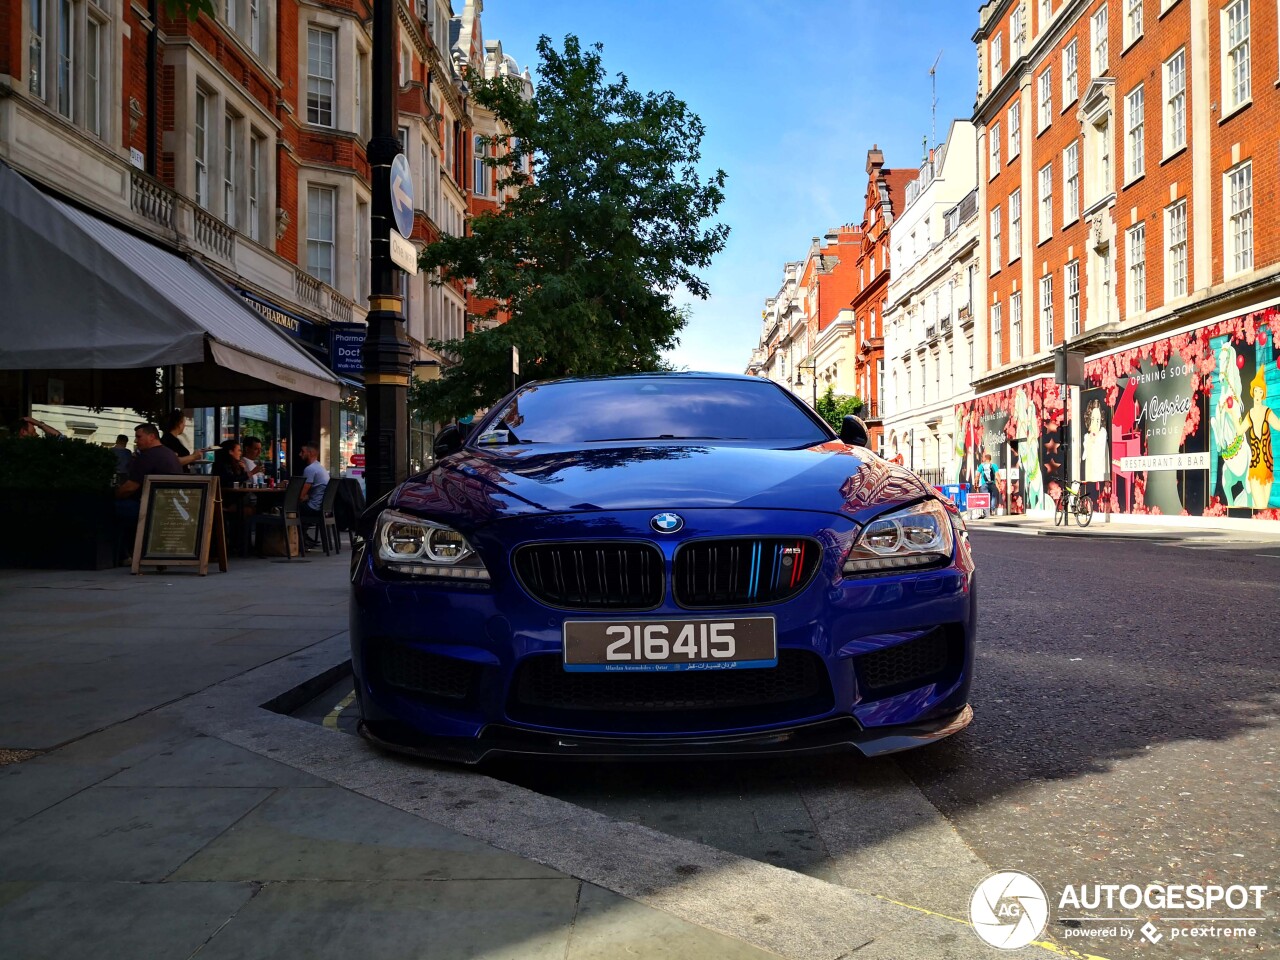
[{"x": 792, "y": 95}]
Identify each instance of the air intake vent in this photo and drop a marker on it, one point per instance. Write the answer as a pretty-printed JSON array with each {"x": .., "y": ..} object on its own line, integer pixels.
[
  {"x": 905, "y": 666},
  {"x": 592, "y": 575},
  {"x": 743, "y": 571}
]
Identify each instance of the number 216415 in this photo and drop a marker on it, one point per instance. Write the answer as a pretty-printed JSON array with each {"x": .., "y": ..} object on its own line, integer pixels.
[{"x": 653, "y": 641}]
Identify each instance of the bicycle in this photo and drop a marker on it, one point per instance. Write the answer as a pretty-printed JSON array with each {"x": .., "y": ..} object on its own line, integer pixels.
[{"x": 1073, "y": 501}]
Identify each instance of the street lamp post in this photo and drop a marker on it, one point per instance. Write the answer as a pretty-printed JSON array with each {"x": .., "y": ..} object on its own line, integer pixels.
[{"x": 386, "y": 352}]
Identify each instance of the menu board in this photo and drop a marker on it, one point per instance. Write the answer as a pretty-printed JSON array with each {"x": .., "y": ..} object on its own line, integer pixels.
[{"x": 179, "y": 520}]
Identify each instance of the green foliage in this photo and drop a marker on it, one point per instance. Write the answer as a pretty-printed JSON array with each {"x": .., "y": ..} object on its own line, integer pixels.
[
  {"x": 52, "y": 463},
  {"x": 190, "y": 8},
  {"x": 834, "y": 409},
  {"x": 587, "y": 256}
]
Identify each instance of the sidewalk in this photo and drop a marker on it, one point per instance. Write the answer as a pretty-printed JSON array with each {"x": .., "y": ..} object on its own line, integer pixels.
[
  {"x": 1173, "y": 531},
  {"x": 167, "y": 814}
]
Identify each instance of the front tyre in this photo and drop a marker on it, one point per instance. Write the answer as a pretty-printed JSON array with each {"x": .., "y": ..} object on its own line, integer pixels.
[
  {"x": 1084, "y": 511},
  {"x": 1060, "y": 512}
]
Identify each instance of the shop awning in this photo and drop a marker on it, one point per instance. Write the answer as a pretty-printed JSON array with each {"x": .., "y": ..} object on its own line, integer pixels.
[{"x": 81, "y": 294}]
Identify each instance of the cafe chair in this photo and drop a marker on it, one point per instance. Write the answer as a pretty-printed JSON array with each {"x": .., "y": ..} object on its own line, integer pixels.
[
  {"x": 289, "y": 518},
  {"x": 326, "y": 522}
]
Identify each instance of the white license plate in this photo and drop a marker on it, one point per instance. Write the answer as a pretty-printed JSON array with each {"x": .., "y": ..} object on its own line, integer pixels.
[{"x": 622, "y": 646}]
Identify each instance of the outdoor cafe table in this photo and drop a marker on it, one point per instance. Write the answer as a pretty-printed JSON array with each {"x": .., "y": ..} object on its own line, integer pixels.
[{"x": 237, "y": 499}]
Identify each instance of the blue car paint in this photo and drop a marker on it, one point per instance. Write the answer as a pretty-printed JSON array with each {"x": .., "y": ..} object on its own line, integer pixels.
[{"x": 501, "y": 497}]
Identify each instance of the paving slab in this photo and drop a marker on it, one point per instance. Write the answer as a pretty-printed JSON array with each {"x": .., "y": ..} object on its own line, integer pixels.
[
  {"x": 121, "y": 833},
  {"x": 332, "y": 834},
  {"x": 402, "y": 920},
  {"x": 114, "y": 921},
  {"x": 208, "y": 762},
  {"x": 31, "y": 787}
]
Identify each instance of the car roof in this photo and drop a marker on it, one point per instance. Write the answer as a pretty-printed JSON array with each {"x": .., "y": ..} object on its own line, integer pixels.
[{"x": 674, "y": 374}]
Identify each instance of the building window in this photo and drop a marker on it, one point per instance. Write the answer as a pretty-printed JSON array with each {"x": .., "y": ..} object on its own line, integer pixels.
[
  {"x": 1135, "y": 242},
  {"x": 229, "y": 13},
  {"x": 1175, "y": 231},
  {"x": 1046, "y": 98},
  {"x": 1017, "y": 32},
  {"x": 995, "y": 149},
  {"x": 1046, "y": 13},
  {"x": 480, "y": 170},
  {"x": 94, "y": 31},
  {"x": 320, "y": 227},
  {"x": 1046, "y": 311},
  {"x": 320, "y": 75},
  {"x": 255, "y": 187},
  {"x": 1015, "y": 130},
  {"x": 1135, "y": 162},
  {"x": 1071, "y": 182},
  {"x": 1071, "y": 281},
  {"x": 66, "y": 62},
  {"x": 995, "y": 239},
  {"x": 1238, "y": 204},
  {"x": 230, "y": 173},
  {"x": 202, "y": 149},
  {"x": 1099, "y": 30},
  {"x": 35, "y": 47},
  {"x": 997, "y": 59},
  {"x": 1046, "y": 201},
  {"x": 406, "y": 65},
  {"x": 1175, "y": 102},
  {"x": 1070, "y": 73},
  {"x": 1132, "y": 21},
  {"x": 1015, "y": 225},
  {"x": 255, "y": 27},
  {"x": 1237, "y": 88},
  {"x": 362, "y": 251},
  {"x": 997, "y": 347},
  {"x": 1015, "y": 325}
]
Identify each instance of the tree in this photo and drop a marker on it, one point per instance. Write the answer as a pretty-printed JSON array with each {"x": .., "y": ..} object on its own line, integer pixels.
[
  {"x": 191, "y": 8},
  {"x": 834, "y": 409},
  {"x": 607, "y": 224}
]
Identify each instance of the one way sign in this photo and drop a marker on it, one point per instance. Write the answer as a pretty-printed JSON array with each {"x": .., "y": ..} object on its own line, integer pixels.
[{"x": 402, "y": 195}]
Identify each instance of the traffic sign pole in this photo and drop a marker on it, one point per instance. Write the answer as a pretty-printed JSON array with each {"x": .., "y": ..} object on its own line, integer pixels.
[{"x": 386, "y": 352}]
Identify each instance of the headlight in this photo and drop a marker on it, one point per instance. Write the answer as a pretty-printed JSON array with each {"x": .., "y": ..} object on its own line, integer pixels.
[
  {"x": 421, "y": 548},
  {"x": 917, "y": 536}
]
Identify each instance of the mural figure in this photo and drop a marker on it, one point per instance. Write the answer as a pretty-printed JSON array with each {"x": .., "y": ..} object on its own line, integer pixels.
[
  {"x": 1024, "y": 412},
  {"x": 1258, "y": 424},
  {"x": 1096, "y": 450},
  {"x": 1227, "y": 427}
]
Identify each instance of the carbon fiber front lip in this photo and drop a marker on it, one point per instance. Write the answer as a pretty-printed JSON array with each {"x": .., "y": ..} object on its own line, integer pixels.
[{"x": 822, "y": 737}]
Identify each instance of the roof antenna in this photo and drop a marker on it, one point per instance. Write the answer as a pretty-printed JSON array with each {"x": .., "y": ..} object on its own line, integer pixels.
[{"x": 933, "y": 112}]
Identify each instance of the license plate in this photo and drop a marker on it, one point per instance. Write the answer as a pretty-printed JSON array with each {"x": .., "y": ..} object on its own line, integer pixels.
[{"x": 631, "y": 646}]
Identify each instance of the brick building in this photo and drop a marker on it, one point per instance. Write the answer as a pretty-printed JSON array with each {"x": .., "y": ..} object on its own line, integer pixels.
[
  {"x": 1123, "y": 146},
  {"x": 238, "y": 141}
]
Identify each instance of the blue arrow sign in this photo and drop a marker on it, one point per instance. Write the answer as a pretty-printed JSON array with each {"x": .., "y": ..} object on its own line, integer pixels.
[{"x": 402, "y": 195}]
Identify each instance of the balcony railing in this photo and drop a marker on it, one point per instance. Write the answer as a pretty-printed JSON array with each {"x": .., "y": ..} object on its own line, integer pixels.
[
  {"x": 214, "y": 235},
  {"x": 306, "y": 287},
  {"x": 151, "y": 199}
]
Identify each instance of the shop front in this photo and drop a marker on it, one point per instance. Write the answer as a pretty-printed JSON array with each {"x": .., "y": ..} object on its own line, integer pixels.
[{"x": 1184, "y": 424}]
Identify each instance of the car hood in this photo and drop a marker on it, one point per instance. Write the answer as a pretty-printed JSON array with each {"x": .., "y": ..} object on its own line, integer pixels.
[{"x": 490, "y": 484}]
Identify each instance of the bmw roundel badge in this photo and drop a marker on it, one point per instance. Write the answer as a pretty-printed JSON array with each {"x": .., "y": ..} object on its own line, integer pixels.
[{"x": 667, "y": 522}]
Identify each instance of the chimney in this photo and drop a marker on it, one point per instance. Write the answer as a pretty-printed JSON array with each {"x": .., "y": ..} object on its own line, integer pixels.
[{"x": 875, "y": 160}]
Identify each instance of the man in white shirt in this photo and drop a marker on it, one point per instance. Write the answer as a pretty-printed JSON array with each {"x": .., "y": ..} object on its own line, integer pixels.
[
  {"x": 251, "y": 448},
  {"x": 316, "y": 477}
]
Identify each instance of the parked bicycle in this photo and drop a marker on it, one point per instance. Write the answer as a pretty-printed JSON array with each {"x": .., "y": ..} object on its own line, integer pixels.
[{"x": 1073, "y": 500}]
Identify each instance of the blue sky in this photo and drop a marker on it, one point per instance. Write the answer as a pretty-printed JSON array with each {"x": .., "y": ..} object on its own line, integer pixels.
[{"x": 792, "y": 96}]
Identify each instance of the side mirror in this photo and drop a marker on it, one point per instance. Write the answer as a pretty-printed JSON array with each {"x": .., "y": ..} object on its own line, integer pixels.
[
  {"x": 854, "y": 431},
  {"x": 448, "y": 441}
]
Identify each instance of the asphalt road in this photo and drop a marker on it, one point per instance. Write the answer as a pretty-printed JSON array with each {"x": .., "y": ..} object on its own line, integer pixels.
[{"x": 1127, "y": 731}]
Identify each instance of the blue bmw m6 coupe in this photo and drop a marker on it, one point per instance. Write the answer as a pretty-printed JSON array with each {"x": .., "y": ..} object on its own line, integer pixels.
[{"x": 660, "y": 565}]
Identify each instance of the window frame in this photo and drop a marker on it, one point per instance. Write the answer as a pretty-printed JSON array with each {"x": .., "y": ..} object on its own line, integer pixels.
[
  {"x": 318, "y": 80},
  {"x": 997, "y": 58},
  {"x": 1015, "y": 224},
  {"x": 1175, "y": 103},
  {"x": 1071, "y": 183},
  {"x": 200, "y": 147},
  {"x": 1238, "y": 223},
  {"x": 1071, "y": 292},
  {"x": 1133, "y": 25},
  {"x": 1015, "y": 325},
  {"x": 1177, "y": 248},
  {"x": 1046, "y": 311},
  {"x": 1044, "y": 96},
  {"x": 1135, "y": 252},
  {"x": 993, "y": 142},
  {"x": 1135, "y": 154},
  {"x": 996, "y": 261},
  {"x": 1100, "y": 41},
  {"x": 1044, "y": 180},
  {"x": 315, "y": 242},
  {"x": 1071, "y": 78},
  {"x": 1237, "y": 60},
  {"x": 1015, "y": 130},
  {"x": 997, "y": 319}
]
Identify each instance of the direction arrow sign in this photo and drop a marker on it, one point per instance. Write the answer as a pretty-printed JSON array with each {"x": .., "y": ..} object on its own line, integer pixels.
[{"x": 402, "y": 195}]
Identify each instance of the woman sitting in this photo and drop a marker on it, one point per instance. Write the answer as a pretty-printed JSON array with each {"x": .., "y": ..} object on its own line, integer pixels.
[{"x": 227, "y": 466}]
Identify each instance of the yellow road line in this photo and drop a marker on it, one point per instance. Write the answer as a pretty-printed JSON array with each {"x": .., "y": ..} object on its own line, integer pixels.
[
  {"x": 1043, "y": 944},
  {"x": 331, "y": 721}
]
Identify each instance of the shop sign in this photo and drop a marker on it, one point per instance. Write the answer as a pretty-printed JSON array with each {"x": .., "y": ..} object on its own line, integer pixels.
[
  {"x": 357, "y": 459},
  {"x": 286, "y": 321},
  {"x": 345, "y": 343}
]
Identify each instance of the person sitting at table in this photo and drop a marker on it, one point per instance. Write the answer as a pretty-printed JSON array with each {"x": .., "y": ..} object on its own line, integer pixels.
[
  {"x": 175, "y": 425},
  {"x": 252, "y": 458},
  {"x": 153, "y": 459},
  {"x": 315, "y": 477},
  {"x": 227, "y": 466}
]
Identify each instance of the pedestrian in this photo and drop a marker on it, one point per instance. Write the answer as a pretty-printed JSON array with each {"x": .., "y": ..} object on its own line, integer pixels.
[
  {"x": 175, "y": 425},
  {"x": 123, "y": 456},
  {"x": 987, "y": 482}
]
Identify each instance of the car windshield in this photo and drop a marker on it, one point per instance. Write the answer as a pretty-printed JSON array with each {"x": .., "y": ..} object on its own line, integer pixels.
[{"x": 657, "y": 408}]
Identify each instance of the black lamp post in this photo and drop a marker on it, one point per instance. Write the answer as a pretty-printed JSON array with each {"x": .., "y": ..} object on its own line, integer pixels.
[{"x": 386, "y": 352}]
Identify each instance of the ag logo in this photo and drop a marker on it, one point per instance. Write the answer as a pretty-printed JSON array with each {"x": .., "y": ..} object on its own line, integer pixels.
[
  {"x": 667, "y": 522},
  {"x": 1009, "y": 910}
]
